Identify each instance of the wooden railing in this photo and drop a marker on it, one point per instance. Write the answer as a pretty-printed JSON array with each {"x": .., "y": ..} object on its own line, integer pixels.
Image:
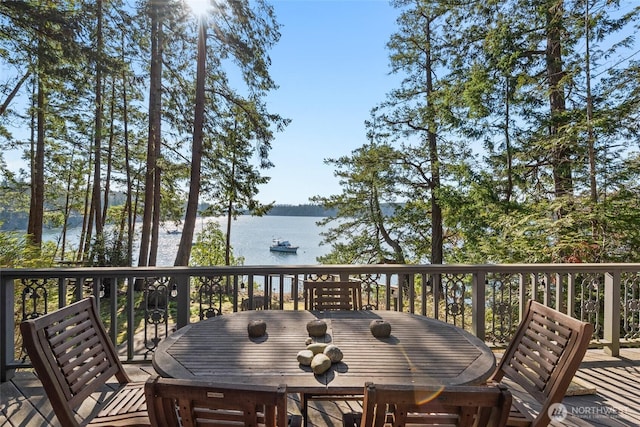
[{"x": 141, "y": 306}]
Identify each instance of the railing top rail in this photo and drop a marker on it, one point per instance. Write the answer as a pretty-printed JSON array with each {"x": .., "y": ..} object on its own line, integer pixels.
[{"x": 320, "y": 269}]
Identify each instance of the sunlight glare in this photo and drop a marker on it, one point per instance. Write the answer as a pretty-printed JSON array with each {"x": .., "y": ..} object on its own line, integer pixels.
[{"x": 199, "y": 7}]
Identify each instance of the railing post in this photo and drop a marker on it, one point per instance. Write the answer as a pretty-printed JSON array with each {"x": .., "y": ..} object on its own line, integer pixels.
[
  {"x": 522, "y": 291},
  {"x": 571, "y": 294},
  {"x": 412, "y": 293},
  {"x": 478, "y": 306},
  {"x": 436, "y": 286},
  {"x": 559, "y": 293},
  {"x": 183, "y": 299},
  {"x": 7, "y": 326},
  {"x": 547, "y": 289},
  {"x": 236, "y": 286},
  {"x": 131, "y": 315},
  {"x": 611, "y": 332}
]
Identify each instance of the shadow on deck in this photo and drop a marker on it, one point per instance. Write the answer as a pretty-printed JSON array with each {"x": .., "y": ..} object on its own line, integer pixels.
[{"x": 615, "y": 402}]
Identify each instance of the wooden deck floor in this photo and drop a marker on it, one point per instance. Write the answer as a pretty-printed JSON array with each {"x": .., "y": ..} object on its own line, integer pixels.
[{"x": 616, "y": 402}]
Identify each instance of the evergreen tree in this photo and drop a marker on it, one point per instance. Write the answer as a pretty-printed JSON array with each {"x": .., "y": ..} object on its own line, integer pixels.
[
  {"x": 243, "y": 32},
  {"x": 362, "y": 232}
]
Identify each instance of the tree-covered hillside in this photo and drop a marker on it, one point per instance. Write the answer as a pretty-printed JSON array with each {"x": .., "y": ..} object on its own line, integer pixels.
[{"x": 512, "y": 135}]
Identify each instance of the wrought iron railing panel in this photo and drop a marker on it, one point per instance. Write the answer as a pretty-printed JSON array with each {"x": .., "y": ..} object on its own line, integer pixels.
[
  {"x": 211, "y": 291},
  {"x": 591, "y": 299},
  {"x": 631, "y": 306},
  {"x": 456, "y": 293},
  {"x": 157, "y": 294},
  {"x": 502, "y": 302},
  {"x": 141, "y": 306}
]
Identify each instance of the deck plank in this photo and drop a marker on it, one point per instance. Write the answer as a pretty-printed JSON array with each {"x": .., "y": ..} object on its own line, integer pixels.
[
  {"x": 617, "y": 383},
  {"x": 23, "y": 402}
]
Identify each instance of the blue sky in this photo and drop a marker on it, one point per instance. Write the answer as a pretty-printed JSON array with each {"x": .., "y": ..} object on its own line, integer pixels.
[{"x": 332, "y": 67}]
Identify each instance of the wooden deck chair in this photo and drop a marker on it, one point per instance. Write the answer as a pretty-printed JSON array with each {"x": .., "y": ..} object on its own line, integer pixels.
[
  {"x": 339, "y": 295},
  {"x": 74, "y": 358},
  {"x": 191, "y": 403},
  {"x": 540, "y": 362},
  {"x": 400, "y": 405}
]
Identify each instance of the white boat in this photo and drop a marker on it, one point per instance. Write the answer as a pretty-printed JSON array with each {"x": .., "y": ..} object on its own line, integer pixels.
[{"x": 283, "y": 246}]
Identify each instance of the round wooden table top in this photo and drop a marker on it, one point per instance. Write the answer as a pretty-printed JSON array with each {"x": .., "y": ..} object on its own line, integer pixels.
[{"x": 420, "y": 350}]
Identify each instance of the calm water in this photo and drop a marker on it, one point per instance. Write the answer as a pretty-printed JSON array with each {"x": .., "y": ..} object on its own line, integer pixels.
[{"x": 250, "y": 238}]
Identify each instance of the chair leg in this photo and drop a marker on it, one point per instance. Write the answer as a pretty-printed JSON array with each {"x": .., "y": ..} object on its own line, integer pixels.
[
  {"x": 295, "y": 420},
  {"x": 304, "y": 408},
  {"x": 351, "y": 419}
]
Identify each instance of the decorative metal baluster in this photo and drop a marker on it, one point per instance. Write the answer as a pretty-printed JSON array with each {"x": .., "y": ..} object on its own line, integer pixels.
[
  {"x": 631, "y": 306},
  {"x": 369, "y": 282},
  {"x": 209, "y": 294},
  {"x": 504, "y": 306},
  {"x": 590, "y": 302},
  {"x": 35, "y": 298},
  {"x": 455, "y": 292},
  {"x": 34, "y": 301},
  {"x": 156, "y": 297}
]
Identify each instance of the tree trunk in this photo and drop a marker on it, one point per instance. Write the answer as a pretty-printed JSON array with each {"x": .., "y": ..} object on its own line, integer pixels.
[
  {"x": 128, "y": 216},
  {"x": 590, "y": 135},
  {"x": 227, "y": 245},
  {"x": 434, "y": 160},
  {"x": 378, "y": 218},
  {"x": 67, "y": 207},
  {"x": 14, "y": 92},
  {"x": 157, "y": 175},
  {"x": 107, "y": 177},
  {"x": 85, "y": 235},
  {"x": 184, "y": 250},
  {"x": 507, "y": 142},
  {"x": 562, "y": 177},
  {"x": 97, "y": 143},
  {"x": 155, "y": 93},
  {"x": 36, "y": 210}
]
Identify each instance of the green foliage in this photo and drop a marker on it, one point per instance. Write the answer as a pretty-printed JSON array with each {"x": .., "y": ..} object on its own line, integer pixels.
[
  {"x": 16, "y": 252},
  {"x": 209, "y": 248},
  {"x": 108, "y": 251},
  {"x": 364, "y": 233},
  {"x": 476, "y": 77},
  {"x": 506, "y": 80}
]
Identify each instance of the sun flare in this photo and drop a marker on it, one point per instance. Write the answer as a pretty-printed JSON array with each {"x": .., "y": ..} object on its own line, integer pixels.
[{"x": 199, "y": 7}]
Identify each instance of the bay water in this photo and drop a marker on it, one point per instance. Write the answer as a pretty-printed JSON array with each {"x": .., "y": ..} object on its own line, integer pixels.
[{"x": 250, "y": 238}]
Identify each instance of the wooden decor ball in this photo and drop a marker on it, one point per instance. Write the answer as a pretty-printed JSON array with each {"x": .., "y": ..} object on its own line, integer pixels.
[
  {"x": 257, "y": 328},
  {"x": 317, "y": 328},
  {"x": 380, "y": 328}
]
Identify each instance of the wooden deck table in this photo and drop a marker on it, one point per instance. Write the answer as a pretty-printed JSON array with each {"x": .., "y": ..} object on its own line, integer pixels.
[{"x": 420, "y": 350}]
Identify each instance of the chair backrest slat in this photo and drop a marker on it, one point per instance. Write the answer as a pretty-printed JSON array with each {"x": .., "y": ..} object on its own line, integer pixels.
[
  {"x": 199, "y": 403},
  {"x": 544, "y": 355},
  {"x": 333, "y": 295},
  {"x": 72, "y": 355},
  {"x": 400, "y": 405}
]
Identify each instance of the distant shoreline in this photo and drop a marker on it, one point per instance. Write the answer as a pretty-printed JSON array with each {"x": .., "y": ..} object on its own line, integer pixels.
[
  {"x": 18, "y": 222},
  {"x": 301, "y": 210}
]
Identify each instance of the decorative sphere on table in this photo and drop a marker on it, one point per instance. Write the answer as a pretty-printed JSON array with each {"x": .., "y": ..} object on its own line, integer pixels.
[
  {"x": 333, "y": 352},
  {"x": 320, "y": 363},
  {"x": 305, "y": 357},
  {"x": 317, "y": 328},
  {"x": 380, "y": 328},
  {"x": 257, "y": 328}
]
